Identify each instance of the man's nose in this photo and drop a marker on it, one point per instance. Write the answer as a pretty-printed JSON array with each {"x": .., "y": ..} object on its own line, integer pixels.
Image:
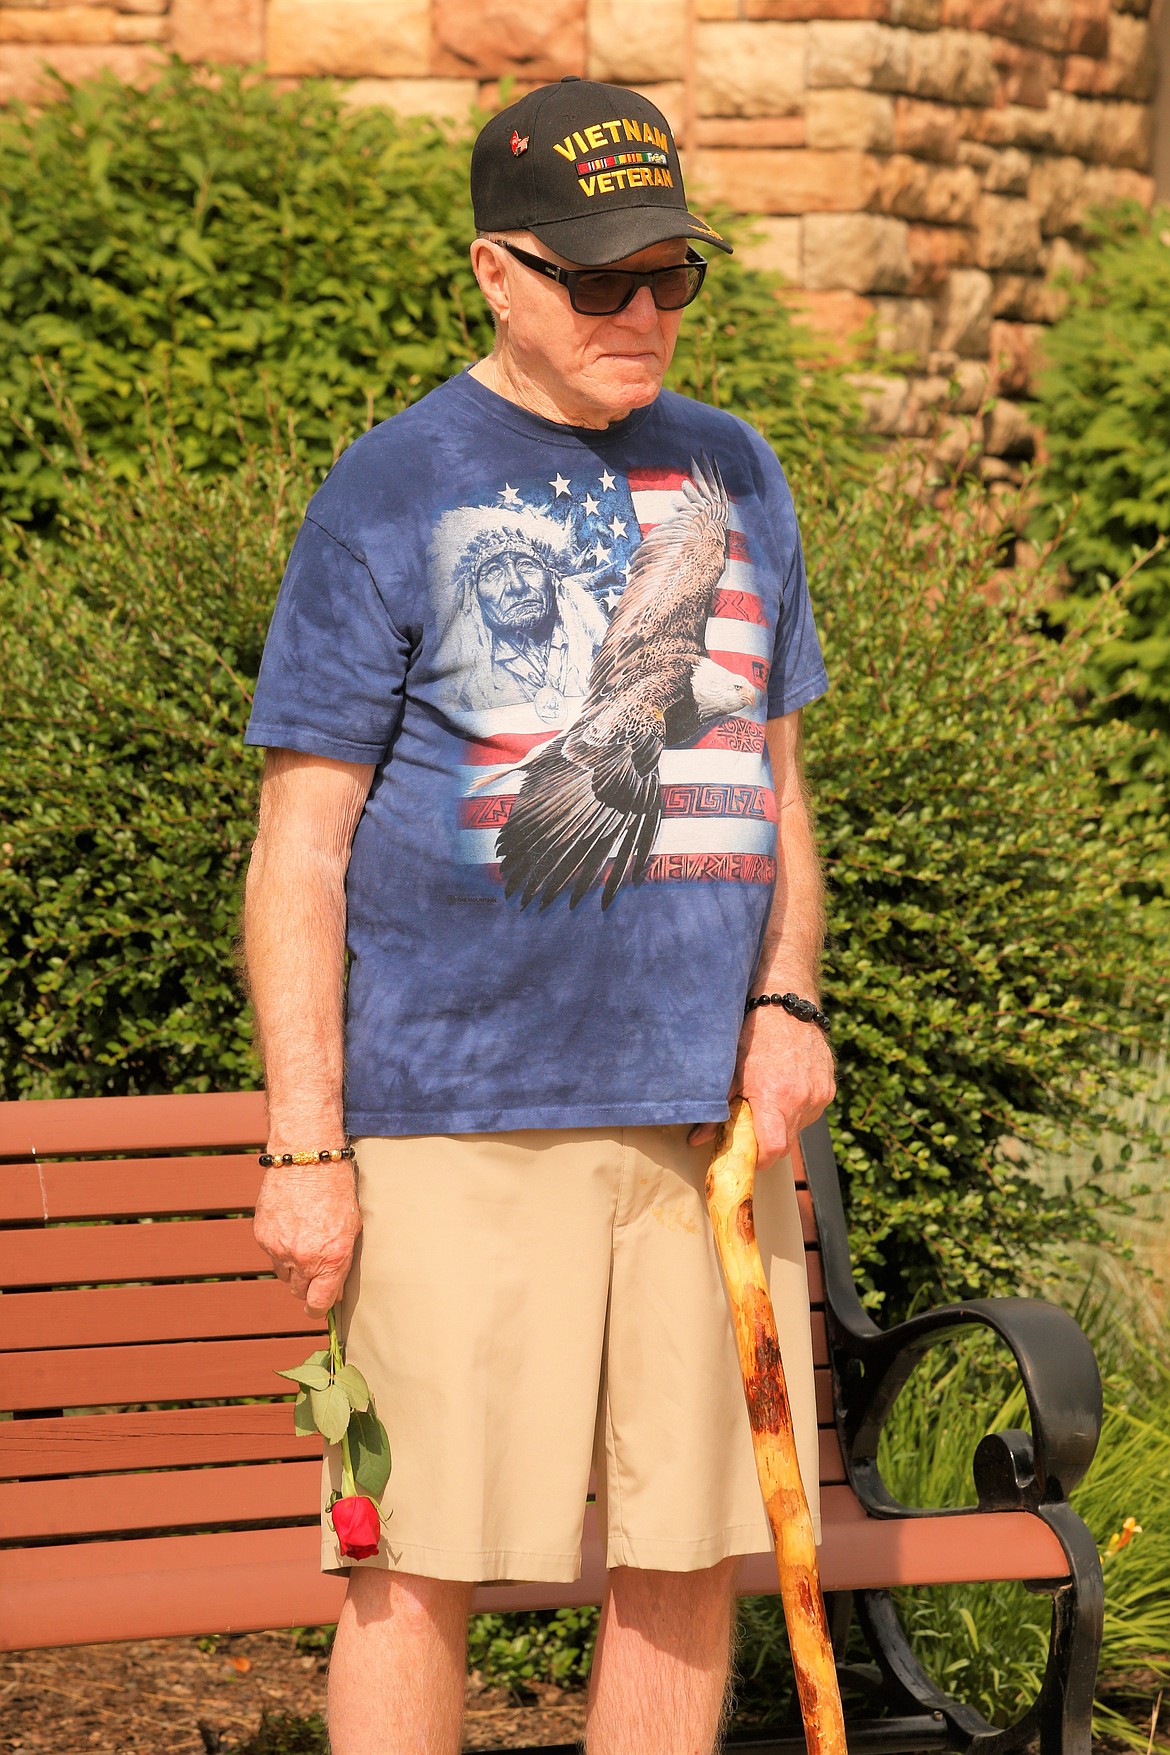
[{"x": 641, "y": 312}]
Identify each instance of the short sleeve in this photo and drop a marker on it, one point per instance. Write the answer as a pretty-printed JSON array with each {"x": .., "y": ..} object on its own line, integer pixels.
[
  {"x": 798, "y": 674},
  {"x": 334, "y": 663}
]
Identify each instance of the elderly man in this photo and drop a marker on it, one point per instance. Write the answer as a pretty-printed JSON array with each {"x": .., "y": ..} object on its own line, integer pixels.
[{"x": 556, "y": 907}]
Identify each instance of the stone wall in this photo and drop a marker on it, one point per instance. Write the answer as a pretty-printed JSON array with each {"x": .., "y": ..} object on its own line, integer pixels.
[{"x": 926, "y": 160}]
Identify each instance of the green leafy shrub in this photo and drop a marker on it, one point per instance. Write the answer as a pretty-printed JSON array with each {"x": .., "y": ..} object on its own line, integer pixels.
[
  {"x": 553, "y": 1645},
  {"x": 986, "y": 968},
  {"x": 129, "y": 799},
  {"x": 984, "y": 959},
  {"x": 282, "y": 1733},
  {"x": 1103, "y": 400},
  {"x": 234, "y": 251}
]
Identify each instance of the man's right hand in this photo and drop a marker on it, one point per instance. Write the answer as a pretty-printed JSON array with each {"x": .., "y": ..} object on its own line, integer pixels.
[{"x": 307, "y": 1220}]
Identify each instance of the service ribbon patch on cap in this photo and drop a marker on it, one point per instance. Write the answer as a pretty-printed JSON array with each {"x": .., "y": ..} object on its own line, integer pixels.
[{"x": 517, "y": 143}]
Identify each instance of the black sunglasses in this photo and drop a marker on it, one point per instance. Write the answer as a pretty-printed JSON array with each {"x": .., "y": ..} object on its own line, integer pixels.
[{"x": 601, "y": 292}]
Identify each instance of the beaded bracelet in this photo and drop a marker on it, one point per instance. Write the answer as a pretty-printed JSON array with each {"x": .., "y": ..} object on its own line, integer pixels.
[
  {"x": 268, "y": 1159},
  {"x": 804, "y": 1009}
]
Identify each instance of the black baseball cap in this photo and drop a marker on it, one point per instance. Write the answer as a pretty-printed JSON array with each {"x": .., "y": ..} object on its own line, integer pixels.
[{"x": 591, "y": 170}]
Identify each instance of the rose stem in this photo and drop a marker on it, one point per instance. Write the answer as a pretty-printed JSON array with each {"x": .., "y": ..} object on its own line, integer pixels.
[{"x": 348, "y": 1484}]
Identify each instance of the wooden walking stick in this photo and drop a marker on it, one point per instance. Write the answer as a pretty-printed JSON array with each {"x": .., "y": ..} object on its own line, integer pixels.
[{"x": 730, "y": 1179}]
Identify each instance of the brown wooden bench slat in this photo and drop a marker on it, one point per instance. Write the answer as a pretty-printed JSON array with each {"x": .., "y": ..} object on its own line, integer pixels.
[
  {"x": 178, "y": 1498},
  {"x": 159, "y": 1586},
  {"x": 180, "y": 1250},
  {"x": 111, "y": 1188},
  {"x": 77, "y": 1377},
  {"x": 112, "y": 1316},
  {"x": 84, "y": 1505},
  {"x": 115, "y": 1315},
  {"x": 20, "y": 1194},
  {"x": 117, "y": 1187},
  {"x": 134, "y": 1252},
  {"x": 156, "y": 1438},
  {"x": 178, "y": 1437},
  {"x": 59, "y": 1126},
  {"x": 87, "y": 1377}
]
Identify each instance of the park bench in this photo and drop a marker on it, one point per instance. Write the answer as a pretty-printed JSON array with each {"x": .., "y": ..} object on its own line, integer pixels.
[{"x": 151, "y": 1483}]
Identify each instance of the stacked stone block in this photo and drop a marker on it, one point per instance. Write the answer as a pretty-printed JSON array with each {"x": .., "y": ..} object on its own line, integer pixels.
[{"x": 926, "y": 162}]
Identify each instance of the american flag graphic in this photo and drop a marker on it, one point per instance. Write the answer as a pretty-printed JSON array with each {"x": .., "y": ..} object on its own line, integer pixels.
[{"x": 719, "y": 812}]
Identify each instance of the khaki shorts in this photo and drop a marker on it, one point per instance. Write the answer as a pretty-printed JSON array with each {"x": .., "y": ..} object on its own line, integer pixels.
[{"x": 528, "y": 1305}]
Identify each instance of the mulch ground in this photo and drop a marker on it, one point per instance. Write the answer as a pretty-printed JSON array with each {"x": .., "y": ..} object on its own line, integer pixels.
[
  {"x": 169, "y": 1697},
  {"x": 172, "y": 1697}
]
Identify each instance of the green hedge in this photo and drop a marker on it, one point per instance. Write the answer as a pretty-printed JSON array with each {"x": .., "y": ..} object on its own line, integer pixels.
[
  {"x": 984, "y": 958},
  {"x": 1103, "y": 400},
  {"x": 234, "y": 256}
]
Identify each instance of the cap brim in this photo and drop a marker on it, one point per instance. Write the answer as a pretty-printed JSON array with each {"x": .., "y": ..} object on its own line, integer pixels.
[{"x": 593, "y": 239}]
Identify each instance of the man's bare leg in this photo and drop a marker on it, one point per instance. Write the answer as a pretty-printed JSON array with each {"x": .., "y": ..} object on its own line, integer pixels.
[
  {"x": 659, "y": 1683},
  {"x": 398, "y": 1670}
]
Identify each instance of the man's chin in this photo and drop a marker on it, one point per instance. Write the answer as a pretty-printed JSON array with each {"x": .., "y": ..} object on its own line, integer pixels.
[{"x": 630, "y": 383}]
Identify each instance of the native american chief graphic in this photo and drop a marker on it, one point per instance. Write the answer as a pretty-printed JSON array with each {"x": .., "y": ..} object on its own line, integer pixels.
[
  {"x": 516, "y": 621},
  {"x": 593, "y": 793}
]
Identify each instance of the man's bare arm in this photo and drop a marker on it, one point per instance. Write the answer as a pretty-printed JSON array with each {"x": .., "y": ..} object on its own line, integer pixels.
[
  {"x": 795, "y": 935},
  {"x": 307, "y": 1218},
  {"x": 785, "y": 1067}
]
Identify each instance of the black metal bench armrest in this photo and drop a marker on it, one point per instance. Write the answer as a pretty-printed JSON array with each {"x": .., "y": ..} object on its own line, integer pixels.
[
  {"x": 1060, "y": 1379},
  {"x": 1055, "y": 1362}
]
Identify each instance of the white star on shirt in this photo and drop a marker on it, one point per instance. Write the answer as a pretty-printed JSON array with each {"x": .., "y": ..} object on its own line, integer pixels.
[
  {"x": 606, "y": 480},
  {"x": 601, "y": 554},
  {"x": 612, "y": 599},
  {"x": 560, "y": 484},
  {"x": 627, "y": 570},
  {"x": 590, "y": 504},
  {"x": 617, "y": 525},
  {"x": 511, "y": 497}
]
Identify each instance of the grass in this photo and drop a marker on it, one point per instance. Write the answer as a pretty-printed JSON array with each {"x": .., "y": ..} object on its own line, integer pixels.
[
  {"x": 1140, "y": 1240},
  {"x": 987, "y": 1643}
]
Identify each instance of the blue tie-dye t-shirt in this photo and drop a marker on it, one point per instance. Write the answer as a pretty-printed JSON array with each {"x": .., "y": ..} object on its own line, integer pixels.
[{"x": 557, "y": 647}]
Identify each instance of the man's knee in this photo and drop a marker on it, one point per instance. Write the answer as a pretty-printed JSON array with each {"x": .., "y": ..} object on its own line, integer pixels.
[
  {"x": 378, "y": 1593},
  {"x": 638, "y": 1590}
]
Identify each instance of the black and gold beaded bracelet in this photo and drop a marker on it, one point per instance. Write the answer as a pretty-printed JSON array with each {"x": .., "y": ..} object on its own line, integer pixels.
[{"x": 338, "y": 1153}]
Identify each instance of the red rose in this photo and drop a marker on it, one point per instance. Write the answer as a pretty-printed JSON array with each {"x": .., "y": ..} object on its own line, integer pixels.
[{"x": 358, "y": 1526}]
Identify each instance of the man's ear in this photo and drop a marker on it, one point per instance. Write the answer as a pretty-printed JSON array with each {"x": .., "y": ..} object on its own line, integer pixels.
[{"x": 488, "y": 266}]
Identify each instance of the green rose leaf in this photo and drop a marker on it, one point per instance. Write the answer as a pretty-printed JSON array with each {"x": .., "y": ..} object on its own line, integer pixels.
[
  {"x": 312, "y": 1375},
  {"x": 355, "y": 1387},
  {"x": 331, "y": 1412},
  {"x": 303, "y": 1422},
  {"x": 369, "y": 1450}
]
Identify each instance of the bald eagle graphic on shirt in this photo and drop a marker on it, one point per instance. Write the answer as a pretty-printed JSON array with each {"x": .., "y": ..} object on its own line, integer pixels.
[{"x": 620, "y": 740}]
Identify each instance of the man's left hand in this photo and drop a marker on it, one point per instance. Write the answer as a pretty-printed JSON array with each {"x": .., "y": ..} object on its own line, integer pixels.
[{"x": 784, "y": 1068}]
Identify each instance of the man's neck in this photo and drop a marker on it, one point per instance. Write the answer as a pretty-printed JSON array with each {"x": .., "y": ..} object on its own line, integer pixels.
[{"x": 501, "y": 373}]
